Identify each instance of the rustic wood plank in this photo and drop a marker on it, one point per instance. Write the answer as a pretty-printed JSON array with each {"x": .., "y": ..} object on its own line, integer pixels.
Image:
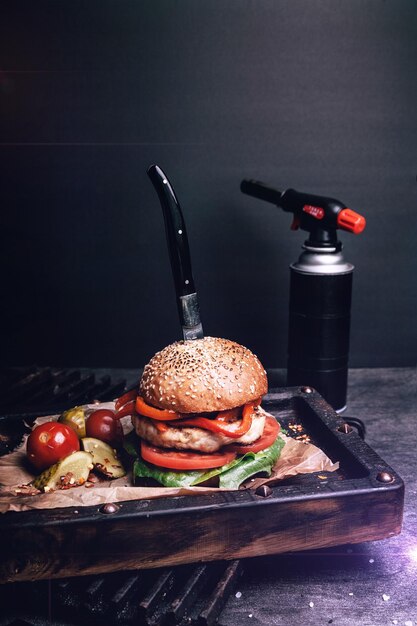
[{"x": 186, "y": 537}]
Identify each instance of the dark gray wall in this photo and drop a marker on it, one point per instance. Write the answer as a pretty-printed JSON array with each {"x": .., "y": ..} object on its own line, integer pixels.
[{"x": 319, "y": 95}]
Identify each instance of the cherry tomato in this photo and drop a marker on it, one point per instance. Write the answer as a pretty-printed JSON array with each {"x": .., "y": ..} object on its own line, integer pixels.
[
  {"x": 178, "y": 460},
  {"x": 49, "y": 443},
  {"x": 103, "y": 425},
  {"x": 270, "y": 433}
]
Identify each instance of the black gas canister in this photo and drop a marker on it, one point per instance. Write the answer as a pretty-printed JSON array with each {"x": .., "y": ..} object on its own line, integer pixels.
[{"x": 319, "y": 324}]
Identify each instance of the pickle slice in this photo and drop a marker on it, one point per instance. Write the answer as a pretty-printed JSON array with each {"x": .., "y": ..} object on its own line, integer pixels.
[
  {"x": 75, "y": 419},
  {"x": 105, "y": 458},
  {"x": 69, "y": 472}
]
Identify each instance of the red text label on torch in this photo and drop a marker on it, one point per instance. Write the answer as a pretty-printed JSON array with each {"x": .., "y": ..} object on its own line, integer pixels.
[{"x": 315, "y": 211}]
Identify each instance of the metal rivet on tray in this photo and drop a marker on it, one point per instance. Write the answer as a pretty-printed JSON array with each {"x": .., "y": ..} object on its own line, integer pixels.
[
  {"x": 306, "y": 390},
  {"x": 108, "y": 508},
  {"x": 345, "y": 428},
  {"x": 385, "y": 477},
  {"x": 264, "y": 490}
]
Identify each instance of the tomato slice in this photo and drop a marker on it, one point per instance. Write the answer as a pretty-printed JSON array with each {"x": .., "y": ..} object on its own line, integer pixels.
[
  {"x": 229, "y": 415},
  {"x": 182, "y": 460},
  {"x": 125, "y": 398},
  {"x": 151, "y": 411},
  {"x": 271, "y": 430},
  {"x": 234, "y": 430},
  {"x": 127, "y": 409}
]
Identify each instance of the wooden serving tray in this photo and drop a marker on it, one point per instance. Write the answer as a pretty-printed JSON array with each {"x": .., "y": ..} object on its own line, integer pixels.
[{"x": 362, "y": 501}]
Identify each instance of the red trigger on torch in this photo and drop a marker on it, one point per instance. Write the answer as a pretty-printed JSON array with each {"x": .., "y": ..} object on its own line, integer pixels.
[
  {"x": 295, "y": 223},
  {"x": 351, "y": 221}
]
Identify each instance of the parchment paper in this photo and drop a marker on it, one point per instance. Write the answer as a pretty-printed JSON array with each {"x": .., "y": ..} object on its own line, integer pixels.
[{"x": 296, "y": 458}]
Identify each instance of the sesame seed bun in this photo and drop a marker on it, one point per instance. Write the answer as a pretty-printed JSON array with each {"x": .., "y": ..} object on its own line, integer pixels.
[{"x": 203, "y": 375}]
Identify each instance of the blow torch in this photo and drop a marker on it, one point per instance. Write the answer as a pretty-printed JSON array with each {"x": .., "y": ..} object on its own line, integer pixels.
[{"x": 320, "y": 290}]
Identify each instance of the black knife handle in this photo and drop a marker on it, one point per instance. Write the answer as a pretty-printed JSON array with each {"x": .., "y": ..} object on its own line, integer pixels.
[{"x": 179, "y": 251}]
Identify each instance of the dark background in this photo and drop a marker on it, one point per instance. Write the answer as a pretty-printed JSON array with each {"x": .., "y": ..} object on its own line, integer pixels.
[{"x": 318, "y": 95}]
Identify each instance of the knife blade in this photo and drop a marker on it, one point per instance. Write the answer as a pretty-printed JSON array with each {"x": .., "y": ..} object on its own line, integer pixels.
[{"x": 179, "y": 254}]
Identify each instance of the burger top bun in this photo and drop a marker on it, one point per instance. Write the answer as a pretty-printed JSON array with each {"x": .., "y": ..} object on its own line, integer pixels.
[{"x": 203, "y": 375}]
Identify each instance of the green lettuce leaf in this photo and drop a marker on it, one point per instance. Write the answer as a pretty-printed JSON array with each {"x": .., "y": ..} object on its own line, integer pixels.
[
  {"x": 211, "y": 473},
  {"x": 166, "y": 477},
  {"x": 251, "y": 464}
]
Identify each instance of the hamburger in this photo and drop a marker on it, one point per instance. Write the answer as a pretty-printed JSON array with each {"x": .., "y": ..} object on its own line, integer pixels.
[{"x": 198, "y": 416}]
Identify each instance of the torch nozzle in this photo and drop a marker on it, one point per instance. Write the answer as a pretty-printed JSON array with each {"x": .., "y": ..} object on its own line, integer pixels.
[{"x": 260, "y": 190}]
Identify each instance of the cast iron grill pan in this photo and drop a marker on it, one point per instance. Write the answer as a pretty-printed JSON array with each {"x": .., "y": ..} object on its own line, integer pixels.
[{"x": 188, "y": 594}]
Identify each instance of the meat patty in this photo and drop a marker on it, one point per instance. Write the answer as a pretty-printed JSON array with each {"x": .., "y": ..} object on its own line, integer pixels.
[{"x": 190, "y": 438}]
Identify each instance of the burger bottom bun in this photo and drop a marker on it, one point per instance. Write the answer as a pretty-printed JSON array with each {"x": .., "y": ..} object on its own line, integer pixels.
[{"x": 196, "y": 439}]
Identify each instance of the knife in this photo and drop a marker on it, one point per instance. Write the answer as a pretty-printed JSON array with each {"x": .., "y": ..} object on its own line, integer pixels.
[{"x": 179, "y": 254}]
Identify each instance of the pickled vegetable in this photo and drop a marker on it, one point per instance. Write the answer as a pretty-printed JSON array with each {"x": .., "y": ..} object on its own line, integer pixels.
[
  {"x": 105, "y": 458},
  {"x": 70, "y": 472},
  {"x": 75, "y": 419}
]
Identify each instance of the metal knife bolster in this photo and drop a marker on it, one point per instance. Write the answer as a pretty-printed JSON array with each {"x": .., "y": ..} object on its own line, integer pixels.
[{"x": 190, "y": 317}]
